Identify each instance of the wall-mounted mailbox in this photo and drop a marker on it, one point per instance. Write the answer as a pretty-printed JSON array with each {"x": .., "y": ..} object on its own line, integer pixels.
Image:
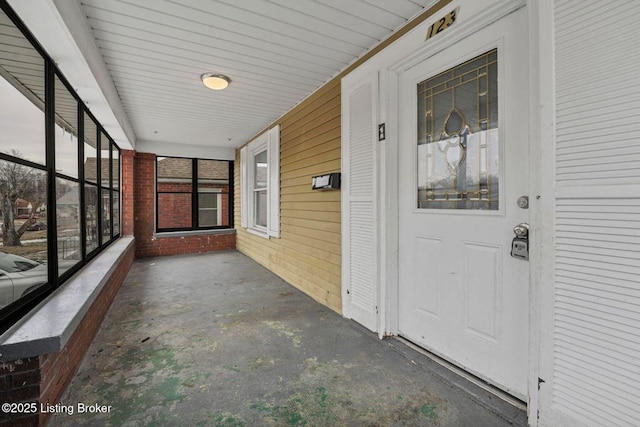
[{"x": 326, "y": 182}]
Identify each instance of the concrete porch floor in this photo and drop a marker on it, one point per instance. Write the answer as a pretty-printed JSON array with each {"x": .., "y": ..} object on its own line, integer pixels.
[{"x": 217, "y": 340}]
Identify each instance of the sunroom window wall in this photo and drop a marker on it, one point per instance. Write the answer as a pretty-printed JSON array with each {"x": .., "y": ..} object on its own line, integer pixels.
[{"x": 56, "y": 209}]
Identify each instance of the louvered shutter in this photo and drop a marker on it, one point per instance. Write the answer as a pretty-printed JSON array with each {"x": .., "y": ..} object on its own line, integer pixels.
[
  {"x": 243, "y": 187},
  {"x": 596, "y": 344},
  {"x": 273, "y": 188},
  {"x": 359, "y": 139}
]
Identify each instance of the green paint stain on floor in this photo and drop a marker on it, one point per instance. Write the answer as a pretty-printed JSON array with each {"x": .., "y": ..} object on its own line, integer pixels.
[
  {"x": 428, "y": 411},
  {"x": 281, "y": 415},
  {"x": 322, "y": 396},
  {"x": 157, "y": 383},
  {"x": 168, "y": 389},
  {"x": 222, "y": 420},
  {"x": 164, "y": 358}
]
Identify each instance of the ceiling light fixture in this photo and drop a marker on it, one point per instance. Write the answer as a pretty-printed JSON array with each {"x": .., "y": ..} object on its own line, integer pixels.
[{"x": 215, "y": 81}]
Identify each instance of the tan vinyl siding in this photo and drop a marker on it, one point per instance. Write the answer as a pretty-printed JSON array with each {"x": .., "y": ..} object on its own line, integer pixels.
[{"x": 308, "y": 254}]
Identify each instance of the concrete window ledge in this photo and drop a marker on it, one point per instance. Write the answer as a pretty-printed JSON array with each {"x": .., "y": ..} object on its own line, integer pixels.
[
  {"x": 215, "y": 232},
  {"x": 49, "y": 326}
]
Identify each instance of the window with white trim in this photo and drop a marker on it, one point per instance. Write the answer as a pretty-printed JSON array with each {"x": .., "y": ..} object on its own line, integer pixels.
[{"x": 260, "y": 184}]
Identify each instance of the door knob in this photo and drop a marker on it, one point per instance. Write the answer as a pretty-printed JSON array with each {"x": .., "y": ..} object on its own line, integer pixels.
[
  {"x": 520, "y": 243},
  {"x": 521, "y": 230}
]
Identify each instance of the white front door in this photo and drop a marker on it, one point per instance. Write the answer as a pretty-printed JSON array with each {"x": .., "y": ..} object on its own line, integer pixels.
[{"x": 463, "y": 151}]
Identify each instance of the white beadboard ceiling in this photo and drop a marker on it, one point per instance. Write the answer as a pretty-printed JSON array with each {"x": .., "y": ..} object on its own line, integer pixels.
[{"x": 276, "y": 52}]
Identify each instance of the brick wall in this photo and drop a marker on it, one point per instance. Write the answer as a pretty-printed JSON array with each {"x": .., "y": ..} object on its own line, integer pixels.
[
  {"x": 147, "y": 245},
  {"x": 20, "y": 382},
  {"x": 126, "y": 192},
  {"x": 43, "y": 379},
  {"x": 174, "y": 210}
]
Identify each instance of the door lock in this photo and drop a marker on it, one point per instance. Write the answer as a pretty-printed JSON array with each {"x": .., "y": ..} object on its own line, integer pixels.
[
  {"x": 520, "y": 243},
  {"x": 523, "y": 202}
]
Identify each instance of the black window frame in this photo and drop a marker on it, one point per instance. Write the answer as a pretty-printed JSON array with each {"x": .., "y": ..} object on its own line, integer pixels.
[
  {"x": 14, "y": 311},
  {"x": 194, "y": 197}
]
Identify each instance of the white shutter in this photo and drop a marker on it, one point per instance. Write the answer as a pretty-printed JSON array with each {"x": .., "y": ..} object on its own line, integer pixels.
[
  {"x": 359, "y": 205},
  {"x": 596, "y": 311},
  {"x": 273, "y": 186},
  {"x": 243, "y": 187}
]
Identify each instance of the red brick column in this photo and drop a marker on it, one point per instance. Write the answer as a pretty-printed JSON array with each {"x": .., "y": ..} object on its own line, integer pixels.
[
  {"x": 144, "y": 201},
  {"x": 126, "y": 194}
]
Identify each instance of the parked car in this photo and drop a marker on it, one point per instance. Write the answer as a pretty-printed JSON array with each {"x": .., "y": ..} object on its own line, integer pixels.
[
  {"x": 19, "y": 276},
  {"x": 37, "y": 226}
]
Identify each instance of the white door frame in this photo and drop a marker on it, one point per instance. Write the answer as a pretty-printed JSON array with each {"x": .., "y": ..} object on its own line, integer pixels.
[
  {"x": 404, "y": 53},
  {"x": 388, "y": 190}
]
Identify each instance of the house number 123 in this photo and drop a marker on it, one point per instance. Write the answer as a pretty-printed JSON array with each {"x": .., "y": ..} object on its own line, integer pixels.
[{"x": 442, "y": 24}]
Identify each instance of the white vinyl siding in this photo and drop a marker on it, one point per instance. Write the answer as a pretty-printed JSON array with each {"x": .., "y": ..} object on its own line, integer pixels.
[{"x": 597, "y": 212}]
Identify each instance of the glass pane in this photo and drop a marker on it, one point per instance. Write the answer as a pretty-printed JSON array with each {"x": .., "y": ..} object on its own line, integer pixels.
[
  {"x": 21, "y": 95},
  {"x": 116, "y": 212},
  {"x": 106, "y": 215},
  {"x": 261, "y": 208},
  {"x": 260, "y": 171},
  {"x": 213, "y": 171},
  {"x": 68, "y": 224},
  {"x": 213, "y": 177},
  {"x": 105, "y": 151},
  {"x": 174, "y": 174},
  {"x": 174, "y": 210},
  {"x": 208, "y": 200},
  {"x": 90, "y": 152},
  {"x": 66, "y": 131},
  {"x": 457, "y": 137},
  {"x": 24, "y": 230},
  {"x": 208, "y": 213},
  {"x": 92, "y": 208},
  {"x": 115, "y": 164}
]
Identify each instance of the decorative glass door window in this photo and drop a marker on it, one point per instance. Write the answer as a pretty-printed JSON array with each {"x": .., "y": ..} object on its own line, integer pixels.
[{"x": 457, "y": 140}]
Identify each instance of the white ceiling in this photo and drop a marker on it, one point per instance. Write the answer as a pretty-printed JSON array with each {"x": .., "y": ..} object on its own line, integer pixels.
[{"x": 276, "y": 52}]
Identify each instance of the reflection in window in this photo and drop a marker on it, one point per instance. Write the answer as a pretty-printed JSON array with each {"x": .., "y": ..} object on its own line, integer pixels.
[
  {"x": 116, "y": 212},
  {"x": 68, "y": 224},
  {"x": 24, "y": 230},
  {"x": 105, "y": 179},
  {"x": 457, "y": 146},
  {"x": 106, "y": 216},
  {"x": 21, "y": 95},
  {"x": 66, "y": 131},
  {"x": 92, "y": 209},
  {"x": 90, "y": 151},
  {"x": 115, "y": 166},
  {"x": 105, "y": 151}
]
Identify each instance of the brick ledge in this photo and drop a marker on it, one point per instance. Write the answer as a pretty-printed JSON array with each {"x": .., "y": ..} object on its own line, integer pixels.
[{"x": 213, "y": 232}]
